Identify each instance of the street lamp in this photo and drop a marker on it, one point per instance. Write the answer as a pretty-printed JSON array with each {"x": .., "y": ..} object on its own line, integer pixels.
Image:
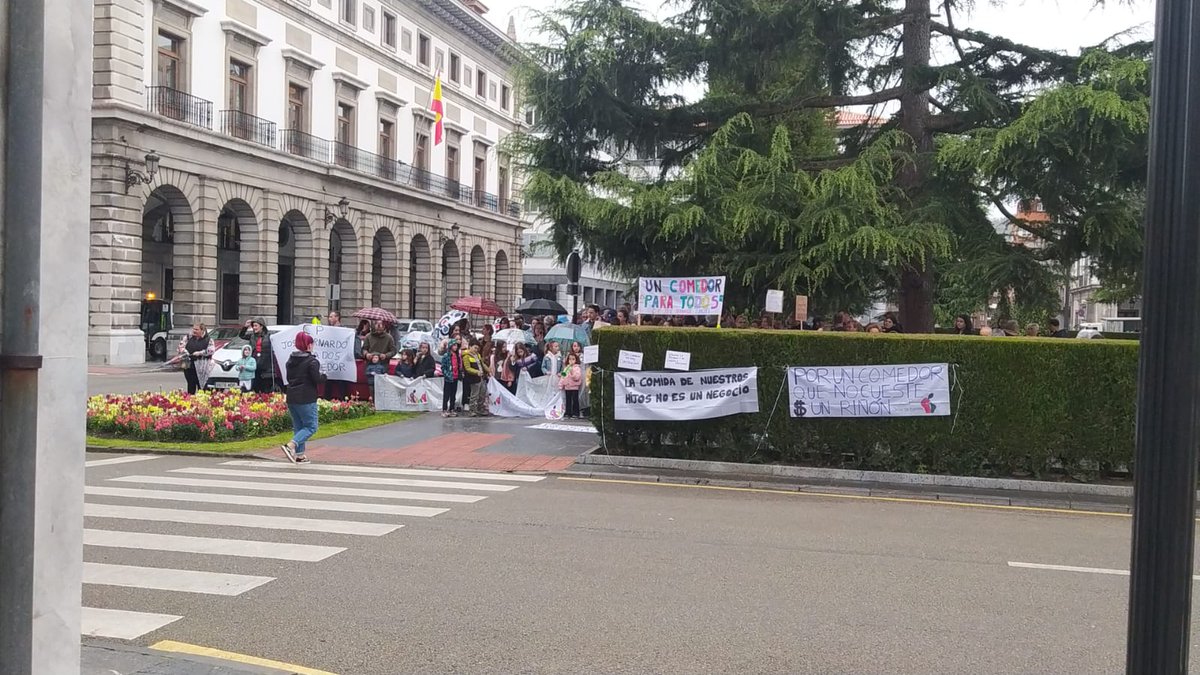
[
  {"x": 134, "y": 177},
  {"x": 343, "y": 211}
]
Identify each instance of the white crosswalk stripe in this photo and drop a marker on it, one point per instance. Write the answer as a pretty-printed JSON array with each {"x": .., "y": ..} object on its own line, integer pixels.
[
  {"x": 397, "y": 471},
  {"x": 302, "y": 489},
  {"x": 244, "y": 548},
  {"x": 150, "y": 513},
  {"x": 166, "y": 579},
  {"x": 204, "y": 514}
]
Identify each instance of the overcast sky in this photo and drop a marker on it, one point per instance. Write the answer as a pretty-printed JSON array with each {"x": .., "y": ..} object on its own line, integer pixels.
[{"x": 1064, "y": 25}]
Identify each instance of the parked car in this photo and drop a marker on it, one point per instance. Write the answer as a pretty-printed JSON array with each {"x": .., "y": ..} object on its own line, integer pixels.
[
  {"x": 406, "y": 326},
  {"x": 224, "y": 372}
]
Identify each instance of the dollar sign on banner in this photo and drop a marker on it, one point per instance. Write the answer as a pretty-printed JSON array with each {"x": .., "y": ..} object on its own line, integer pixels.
[{"x": 798, "y": 409}]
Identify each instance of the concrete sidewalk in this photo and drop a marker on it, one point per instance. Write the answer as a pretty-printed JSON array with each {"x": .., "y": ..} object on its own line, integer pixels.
[{"x": 111, "y": 658}]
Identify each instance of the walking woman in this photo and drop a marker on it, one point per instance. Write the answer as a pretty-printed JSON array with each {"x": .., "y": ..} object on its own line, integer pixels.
[
  {"x": 304, "y": 376},
  {"x": 197, "y": 351}
]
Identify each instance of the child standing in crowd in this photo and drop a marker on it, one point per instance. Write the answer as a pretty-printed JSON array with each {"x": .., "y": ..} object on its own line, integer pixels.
[
  {"x": 473, "y": 376},
  {"x": 452, "y": 373},
  {"x": 570, "y": 383},
  {"x": 423, "y": 365},
  {"x": 552, "y": 362},
  {"x": 405, "y": 368},
  {"x": 246, "y": 367}
]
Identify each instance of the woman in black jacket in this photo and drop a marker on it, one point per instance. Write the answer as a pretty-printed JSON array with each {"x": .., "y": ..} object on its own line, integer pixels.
[
  {"x": 197, "y": 351},
  {"x": 260, "y": 347},
  {"x": 425, "y": 364},
  {"x": 303, "y": 376}
]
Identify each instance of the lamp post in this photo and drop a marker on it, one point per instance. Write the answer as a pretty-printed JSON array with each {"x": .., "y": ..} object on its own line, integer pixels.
[
  {"x": 343, "y": 212},
  {"x": 134, "y": 177},
  {"x": 1168, "y": 426}
]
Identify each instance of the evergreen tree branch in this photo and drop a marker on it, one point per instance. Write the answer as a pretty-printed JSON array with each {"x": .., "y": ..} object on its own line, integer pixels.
[{"x": 997, "y": 43}]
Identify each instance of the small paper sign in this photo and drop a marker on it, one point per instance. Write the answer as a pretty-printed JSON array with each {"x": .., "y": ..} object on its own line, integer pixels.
[
  {"x": 801, "y": 308},
  {"x": 591, "y": 353},
  {"x": 775, "y": 301},
  {"x": 629, "y": 360},
  {"x": 678, "y": 360}
]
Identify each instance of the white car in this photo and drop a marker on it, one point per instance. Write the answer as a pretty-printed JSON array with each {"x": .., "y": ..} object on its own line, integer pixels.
[
  {"x": 406, "y": 326},
  {"x": 224, "y": 373}
]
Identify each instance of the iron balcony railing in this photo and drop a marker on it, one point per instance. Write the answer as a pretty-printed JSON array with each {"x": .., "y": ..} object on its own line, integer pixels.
[
  {"x": 180, "y": 106},
  {"x": 248, "y": 127},
  {"x": 356, "y": 159},
  {"x": 305, "y": 144}
]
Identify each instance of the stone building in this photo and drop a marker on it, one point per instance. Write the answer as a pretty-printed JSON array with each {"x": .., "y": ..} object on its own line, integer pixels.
[{"x": 276, "y": 158}]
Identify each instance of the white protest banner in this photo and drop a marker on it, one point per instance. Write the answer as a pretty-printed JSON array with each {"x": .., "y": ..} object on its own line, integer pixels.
[
  {"x": 591, "y": 354},
  {"x": 629, "y": 360},
  {"x": 332, "y": 345},
  {"x": 681, "y": 296},
  {"x": 408, "y": 394},
  {"x": 678, "y": 360},
  {"x": 698, "y": 395},
  {"x": 775, "y": 301},
  {"x": 535, "y": 397},
  {"x": 911, "y": 390}
]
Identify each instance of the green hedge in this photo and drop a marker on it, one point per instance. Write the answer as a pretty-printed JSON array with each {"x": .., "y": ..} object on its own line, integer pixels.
[{"x": 1029, "y": 406}]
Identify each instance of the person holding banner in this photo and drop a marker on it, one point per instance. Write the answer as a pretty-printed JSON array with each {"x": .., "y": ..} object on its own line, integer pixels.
[{"x": 304, "y": 376}]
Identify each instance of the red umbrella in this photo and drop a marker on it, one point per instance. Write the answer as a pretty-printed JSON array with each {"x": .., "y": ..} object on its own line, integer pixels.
[
  {"x": 375, "y": 314},
  {"x": 473, "y": 304}
]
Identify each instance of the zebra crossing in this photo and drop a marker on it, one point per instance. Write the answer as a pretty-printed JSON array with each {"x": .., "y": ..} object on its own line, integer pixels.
[{"x": 256, "y": 506}]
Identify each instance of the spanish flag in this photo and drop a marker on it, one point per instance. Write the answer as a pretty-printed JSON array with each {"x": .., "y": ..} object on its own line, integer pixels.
[{"x": 436, "y": 106}]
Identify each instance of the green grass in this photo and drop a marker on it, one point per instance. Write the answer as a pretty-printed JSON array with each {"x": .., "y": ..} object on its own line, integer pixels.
[{"x": 252, "y": 444}]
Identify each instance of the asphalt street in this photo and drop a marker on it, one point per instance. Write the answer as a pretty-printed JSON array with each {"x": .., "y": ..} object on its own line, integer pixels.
[
  {"x": 565, "y": 576},
  {"x": 132, "y": 380}
]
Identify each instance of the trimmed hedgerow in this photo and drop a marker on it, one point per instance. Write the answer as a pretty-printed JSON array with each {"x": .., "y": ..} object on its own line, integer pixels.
[{"x": 1021, "y": 406}]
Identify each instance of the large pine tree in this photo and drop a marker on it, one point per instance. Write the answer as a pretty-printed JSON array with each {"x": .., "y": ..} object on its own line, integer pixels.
[{"x": 759, "y": 185}]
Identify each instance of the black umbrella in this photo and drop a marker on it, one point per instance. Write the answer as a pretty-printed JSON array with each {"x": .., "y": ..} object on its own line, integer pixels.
[{"x": 541, "y": 306}]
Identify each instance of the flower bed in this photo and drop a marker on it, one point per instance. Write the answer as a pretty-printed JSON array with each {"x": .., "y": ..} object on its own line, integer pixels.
[{"x": 203, "y": 417}]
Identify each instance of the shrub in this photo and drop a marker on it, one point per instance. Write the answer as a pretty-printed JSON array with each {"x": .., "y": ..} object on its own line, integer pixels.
[
  {"x": 202, "y": 417},
  {"x": 1020, "y": 406}
]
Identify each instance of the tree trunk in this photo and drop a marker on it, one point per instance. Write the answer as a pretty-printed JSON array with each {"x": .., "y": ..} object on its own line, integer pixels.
[
  {"x": 916, "y": 300},
  {"x": 916, "y": 281}
]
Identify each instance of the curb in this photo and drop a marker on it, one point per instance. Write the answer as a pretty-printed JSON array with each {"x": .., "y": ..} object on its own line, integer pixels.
[
  {"x": 1055, "y": 503},
  {"x": 180, "y": 453},
  {"x": 864, "y": 477}
]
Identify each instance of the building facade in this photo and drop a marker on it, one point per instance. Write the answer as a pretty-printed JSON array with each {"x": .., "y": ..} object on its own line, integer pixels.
[{"x": 276, "y": 159}]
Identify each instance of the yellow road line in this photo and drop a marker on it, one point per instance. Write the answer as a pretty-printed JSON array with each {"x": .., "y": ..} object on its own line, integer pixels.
[
  {"x": 197, "y": 650},
  {"x": 835, "y": 495}
]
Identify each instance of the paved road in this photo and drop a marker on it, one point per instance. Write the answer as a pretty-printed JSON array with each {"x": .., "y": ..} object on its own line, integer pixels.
[
  {"x": 567, "y": 576},
  {"x": 106, "y": 380}
]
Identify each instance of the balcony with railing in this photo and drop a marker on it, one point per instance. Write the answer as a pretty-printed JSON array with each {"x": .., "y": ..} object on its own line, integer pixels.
[
  {"x": 304, "y": 144},
  {"x": 248, "y": 127},
  {"x": 180, "y": 106},
  {"x": 356, "y": 159}
]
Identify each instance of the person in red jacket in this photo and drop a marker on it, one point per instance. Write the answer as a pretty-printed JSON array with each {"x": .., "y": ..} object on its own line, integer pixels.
[{"x": 571, "y": 382}]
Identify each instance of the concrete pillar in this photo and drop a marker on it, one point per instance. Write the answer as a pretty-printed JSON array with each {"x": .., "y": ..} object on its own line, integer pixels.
[
  {"x": 117, "y": 59},
  {"x": 114, "y": 264},
  {"x": 196, "y": 260},
  {"x": 404, "y": 270},
  {"x": 260, "y": 262},
  {"x": 46, "y": 145}
]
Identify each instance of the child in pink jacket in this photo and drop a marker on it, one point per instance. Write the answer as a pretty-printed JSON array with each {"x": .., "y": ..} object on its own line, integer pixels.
[{"x": 570, "y": 383}]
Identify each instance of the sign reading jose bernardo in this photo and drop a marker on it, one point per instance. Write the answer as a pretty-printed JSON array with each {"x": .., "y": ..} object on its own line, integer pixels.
[
  {"x": 914, "y": 390},
  {"x": 673, "y": 396},
  {"x": 332, "y": 345},
  {"x": 681, "y": 296}
]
